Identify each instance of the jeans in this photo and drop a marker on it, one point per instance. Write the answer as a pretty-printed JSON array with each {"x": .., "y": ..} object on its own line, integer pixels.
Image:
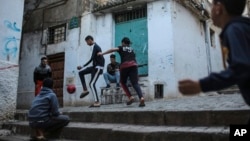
[
  {"x": 112, "y": 78},
  {"x": 52, "y": 126}
]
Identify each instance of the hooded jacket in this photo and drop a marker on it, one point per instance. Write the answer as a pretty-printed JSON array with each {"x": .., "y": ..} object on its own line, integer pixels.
[
  {"x": 235, "y": 37},
  {"x": 44, "y": 106}
]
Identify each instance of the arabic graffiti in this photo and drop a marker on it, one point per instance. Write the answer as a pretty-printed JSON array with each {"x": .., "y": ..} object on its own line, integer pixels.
[
  {"x": 11, "y": 26},
  {"x": 11, "y": 42},
  {"x": 10, "y": 48}
]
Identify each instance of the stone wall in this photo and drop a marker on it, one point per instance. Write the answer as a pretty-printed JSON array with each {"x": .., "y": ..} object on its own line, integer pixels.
[
  {"x": 10, "y": 37},
  {"x": 8, "y": 90}
]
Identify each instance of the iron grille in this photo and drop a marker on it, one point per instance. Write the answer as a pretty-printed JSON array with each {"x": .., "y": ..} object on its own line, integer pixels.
[
  {"x": 57, "y": 34},
  {"x": 130, "y": 15}
]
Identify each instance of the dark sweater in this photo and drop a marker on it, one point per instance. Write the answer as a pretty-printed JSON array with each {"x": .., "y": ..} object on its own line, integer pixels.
[
  {"x": 236, "y": 38},
  {"x": 41, "y": 72}
]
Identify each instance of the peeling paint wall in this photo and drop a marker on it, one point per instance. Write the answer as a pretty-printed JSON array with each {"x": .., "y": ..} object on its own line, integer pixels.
[
  {"x": 34, "y": 41},
  {"x": 194, "y": 55},
  {"x": 161, "y": 48},
  {"x": 11, "y": 13},
  {"x": 177, "y": 53}
]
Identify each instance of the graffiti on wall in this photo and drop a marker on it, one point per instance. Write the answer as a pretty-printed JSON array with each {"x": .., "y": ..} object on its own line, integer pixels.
[{"x": 10, "y": 49}]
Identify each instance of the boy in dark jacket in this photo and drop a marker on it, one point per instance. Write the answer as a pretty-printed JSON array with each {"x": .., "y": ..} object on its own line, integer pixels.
[
  {"x": 40, "y": 73},
  {"x": 235, "y": 42},
  {"x": 95, "y": 70},
  {"x": 44, "y": 115}
]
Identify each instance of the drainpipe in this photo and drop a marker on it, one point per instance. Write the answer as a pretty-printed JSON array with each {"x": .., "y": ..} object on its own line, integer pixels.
[
  {"x": 207, "y": 43},
  {"x": 53, "y": 5}
]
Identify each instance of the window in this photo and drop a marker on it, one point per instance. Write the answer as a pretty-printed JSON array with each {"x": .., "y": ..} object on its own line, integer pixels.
[
  {"x": 131, "y": 15},
  {"x": 57, "y": 34},
  {"x": 159, "y": 90}
]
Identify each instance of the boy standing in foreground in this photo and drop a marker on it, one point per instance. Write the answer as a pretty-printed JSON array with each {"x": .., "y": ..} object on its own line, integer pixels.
[{"x": 235, "y": 41}]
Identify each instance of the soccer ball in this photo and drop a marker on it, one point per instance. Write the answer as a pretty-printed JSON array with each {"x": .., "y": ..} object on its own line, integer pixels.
[{"x": 71, "y": 88}]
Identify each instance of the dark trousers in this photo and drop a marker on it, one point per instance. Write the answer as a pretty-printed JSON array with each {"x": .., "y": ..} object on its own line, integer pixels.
[
  {"x": 132, "y": 74},
  {"x": 51, "y": 127},
  {"x": 95, "y": 73}
]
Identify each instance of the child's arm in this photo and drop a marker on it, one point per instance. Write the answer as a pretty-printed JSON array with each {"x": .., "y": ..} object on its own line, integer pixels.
[{"x": 108, "y": 51}]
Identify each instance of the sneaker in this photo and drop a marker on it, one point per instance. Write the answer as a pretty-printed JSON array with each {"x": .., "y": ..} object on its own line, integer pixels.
[
  {"x": 108, "y": 86},
  {"x": 117, "y": 86},
  {"x": 131, "y": 100},
  {"x": 83, "y": 94},
  {"x": 96, "y": 104},
  {"x": 142, "y": 103},
  {"x": 39, "y": 138}
]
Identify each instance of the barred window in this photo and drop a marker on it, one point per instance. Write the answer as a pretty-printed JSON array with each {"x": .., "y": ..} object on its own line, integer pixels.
[
  {"x": 57, "y": 34},
  {"x": 131, "y": 15}
]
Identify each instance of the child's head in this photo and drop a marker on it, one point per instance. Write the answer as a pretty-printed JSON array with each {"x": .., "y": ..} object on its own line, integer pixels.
[
  {"x": 226, "y": 7},
  {"x": 126, "y": 41},
  {"x": 48, "y": 82}
]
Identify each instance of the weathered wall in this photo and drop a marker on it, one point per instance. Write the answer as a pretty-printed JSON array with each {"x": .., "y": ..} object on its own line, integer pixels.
[
  {"x": 55, "y": 12},
  {"x": 160, "y": 50},
  {"x": 176, "y": 46},
  {"x": 11, "y": 13},
  {"x": 29, "y": 59},
  {"x": 51, "y": 12},
  {"x": 190, "y": 48},
  {"x": 194, "y": 56}
]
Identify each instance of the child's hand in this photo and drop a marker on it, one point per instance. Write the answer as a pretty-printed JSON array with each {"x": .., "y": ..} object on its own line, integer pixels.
[
  {"x": 189, "y": 87},
  {"x": 99, "y": 53},
  {"x": 79, "y": 67}
]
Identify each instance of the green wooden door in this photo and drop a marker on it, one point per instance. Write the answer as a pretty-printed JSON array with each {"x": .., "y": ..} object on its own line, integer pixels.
[{"x": 136, "y": 30}]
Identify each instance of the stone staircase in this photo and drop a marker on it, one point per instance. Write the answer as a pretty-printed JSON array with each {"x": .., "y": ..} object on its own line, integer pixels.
[{"x": 118, "y": 122}]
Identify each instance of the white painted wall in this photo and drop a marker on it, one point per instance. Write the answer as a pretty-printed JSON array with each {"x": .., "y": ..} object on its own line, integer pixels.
[
  {"x": 190, "y": 48},
  {"x": 161, "y": 48},
  {"x": 194, "y": 56},
  {"x": 11, "y": 16},
  {"x": 177, "y": 50}
]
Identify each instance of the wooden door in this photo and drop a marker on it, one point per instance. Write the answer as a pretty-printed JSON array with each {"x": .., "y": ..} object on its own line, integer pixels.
[{"x": 56, "y": 63}]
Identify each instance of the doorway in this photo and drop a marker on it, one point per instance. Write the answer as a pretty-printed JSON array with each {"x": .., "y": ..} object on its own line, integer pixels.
[
  {"x": 56, "y": 63},
  {"x": 133, "y": 24}
]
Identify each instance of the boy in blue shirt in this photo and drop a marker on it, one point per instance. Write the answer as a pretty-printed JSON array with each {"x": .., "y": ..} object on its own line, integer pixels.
[{"x": 235, "y": 42}]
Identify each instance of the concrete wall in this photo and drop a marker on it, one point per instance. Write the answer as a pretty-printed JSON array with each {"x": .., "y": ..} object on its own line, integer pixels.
[
  {"x": 194, "y": 55},
  {"x": 11, "y": 16},
  {"x": 161, "y": 47},
  {"x": 176, "y": 42},
  {"x": 190, "y": 48},
  {"x": 55, "y": 12},
  {"x": 29, "y": 59}
]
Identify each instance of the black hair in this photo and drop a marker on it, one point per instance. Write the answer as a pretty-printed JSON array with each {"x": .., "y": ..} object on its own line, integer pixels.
[
  {"x": 48, "y": 82},
  {"x": 89, "y": 37},
  {"x": 112, "y": 56},
  {"x": 126, "y": 41},
  {"x": 43, "y": 58},
  {"x": 233, "y": 7}
]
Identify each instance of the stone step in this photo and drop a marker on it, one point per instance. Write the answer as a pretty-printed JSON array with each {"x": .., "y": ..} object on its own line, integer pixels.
[
  {"x": 175, "y": 118},
  {"x": 25, "y": 138},
  {"x": 231, "y": 90},
  {"x": 124, "y": 132}
]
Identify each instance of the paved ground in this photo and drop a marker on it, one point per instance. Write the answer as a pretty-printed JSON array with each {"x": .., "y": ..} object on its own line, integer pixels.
[{"x": 190, "y": 103}]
